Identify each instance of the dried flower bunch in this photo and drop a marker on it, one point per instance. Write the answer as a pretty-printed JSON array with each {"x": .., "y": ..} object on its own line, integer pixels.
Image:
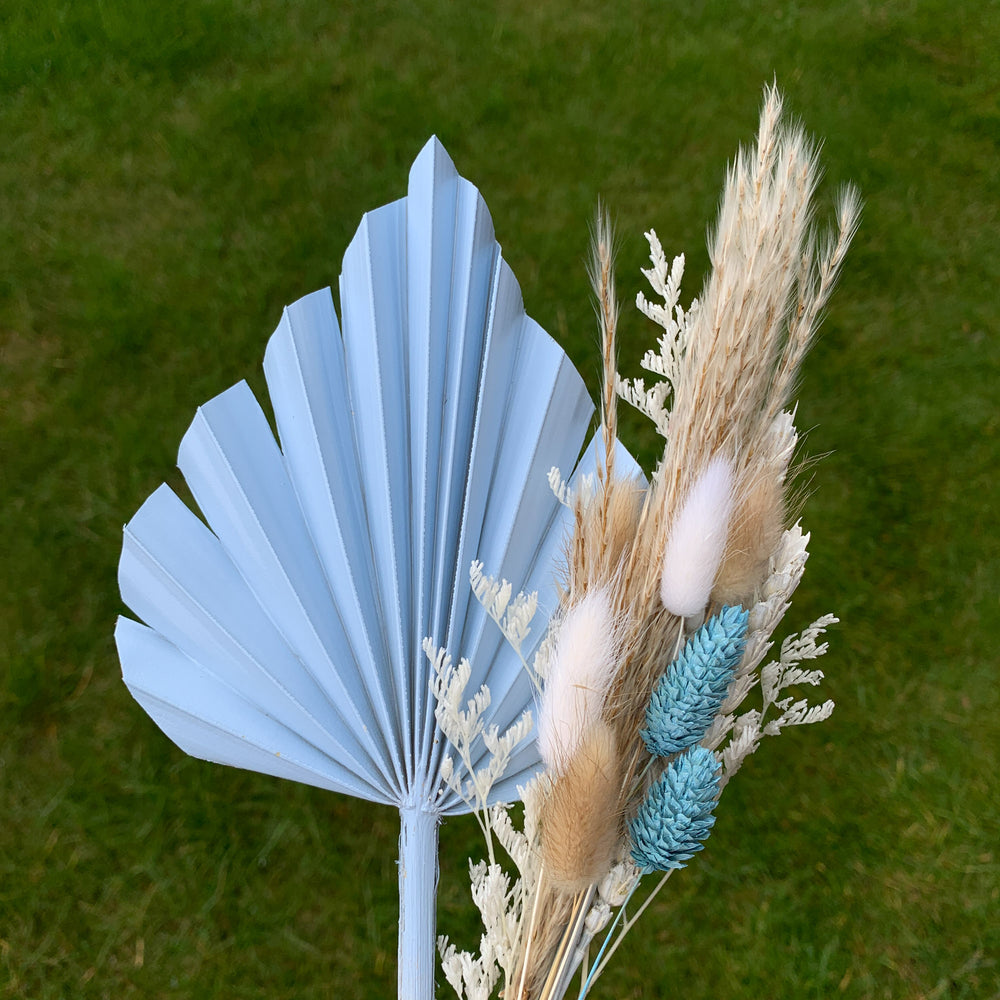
[{"x": 670, "y": 595}]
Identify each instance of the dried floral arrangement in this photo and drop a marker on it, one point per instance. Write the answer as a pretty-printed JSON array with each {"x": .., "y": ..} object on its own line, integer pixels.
[
  {"x": 289, "y": 629},
  {"x": 651, "y": 686}
]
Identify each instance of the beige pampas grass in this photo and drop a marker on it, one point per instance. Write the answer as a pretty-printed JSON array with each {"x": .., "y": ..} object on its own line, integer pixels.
[
  {"x": 603, "y": 536},
  {"x": 771, "y": 277},
  {"x": 756, "y": 530},
  {"x": 759, "y": 518}
]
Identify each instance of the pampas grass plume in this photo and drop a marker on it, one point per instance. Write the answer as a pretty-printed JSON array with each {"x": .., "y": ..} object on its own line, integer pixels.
[
  {"x": 758, "y": 517},
  {"x": 758, "y": 522},
  {"x": 697, "y": 541},
  {"x": 579, "y": 673}
]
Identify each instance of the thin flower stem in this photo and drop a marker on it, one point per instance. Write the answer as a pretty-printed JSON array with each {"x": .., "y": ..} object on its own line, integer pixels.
[
  {"x": 555, "y": 984},
  {"x": 640, "y": 778},
  {"x": 597, "y": 960},
  {"x": 480, "y": 812},
  {"x": 555, "y": 969},
  {"x": 531, "y": 928},
  {"x": 629, "y": 924}
]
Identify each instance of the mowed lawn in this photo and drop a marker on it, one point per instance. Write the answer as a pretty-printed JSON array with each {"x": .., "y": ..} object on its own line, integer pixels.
[{"x": 172, "y": 174}]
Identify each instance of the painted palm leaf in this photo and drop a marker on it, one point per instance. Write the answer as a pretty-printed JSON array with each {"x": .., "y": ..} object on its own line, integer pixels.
[{"x": 415, "y": 436}]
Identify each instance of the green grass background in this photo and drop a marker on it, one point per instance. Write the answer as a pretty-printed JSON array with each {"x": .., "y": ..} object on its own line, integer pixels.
[{"x": 172, "y": 174}]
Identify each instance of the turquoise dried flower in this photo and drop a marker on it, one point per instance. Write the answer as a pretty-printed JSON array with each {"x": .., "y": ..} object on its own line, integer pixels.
[
  {"x": 690, "y": 693},
  {"x": 676, "y": 816}
]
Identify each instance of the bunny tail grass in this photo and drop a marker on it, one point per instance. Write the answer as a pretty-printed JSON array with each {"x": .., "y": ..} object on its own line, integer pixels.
[
  {"x": 579, "y": 673},
  {"x": 581, "y": 821},
  {"x": 697, "y": 541}
]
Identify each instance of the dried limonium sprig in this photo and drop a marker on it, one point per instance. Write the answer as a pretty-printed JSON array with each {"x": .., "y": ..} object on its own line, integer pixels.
[{"x": 670, "y": 594}]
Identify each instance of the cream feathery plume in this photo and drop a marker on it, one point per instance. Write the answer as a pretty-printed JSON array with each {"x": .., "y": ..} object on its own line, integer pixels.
[
  {"x": 580, "y": 669},
  {"x": 697, "y": 541}
]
